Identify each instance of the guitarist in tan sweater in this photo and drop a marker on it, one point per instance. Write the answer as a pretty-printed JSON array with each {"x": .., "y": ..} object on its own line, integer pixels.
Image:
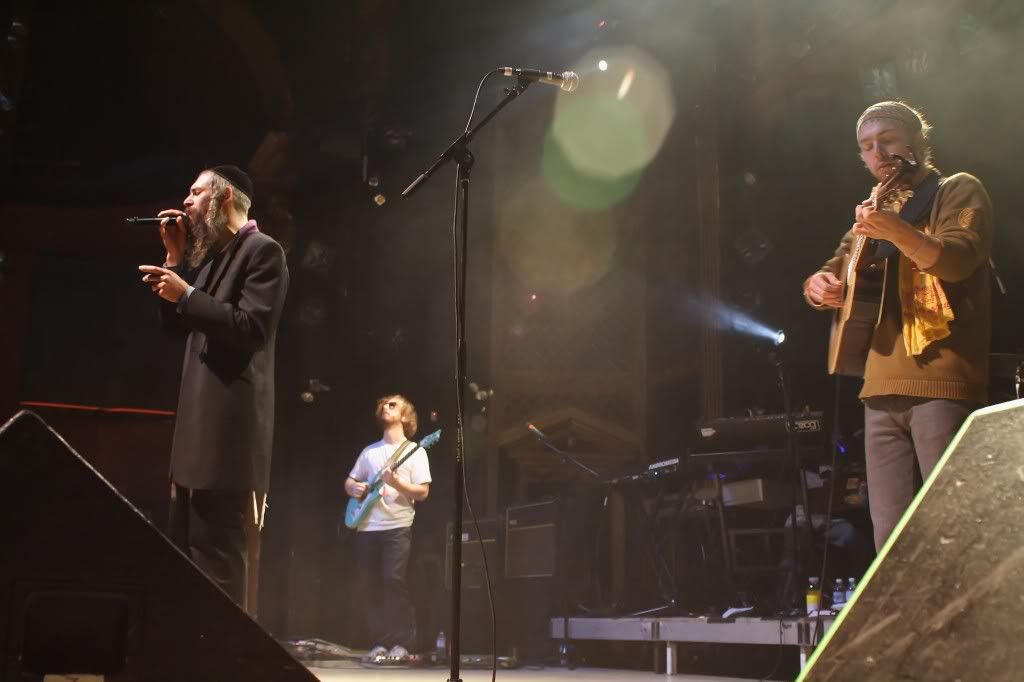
[
  {"x": 384, "y": 536},
  {"x": 927, "y": 367}
]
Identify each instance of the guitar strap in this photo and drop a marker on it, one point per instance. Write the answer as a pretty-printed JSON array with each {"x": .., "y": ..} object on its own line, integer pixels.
[
  {"x": 401, "y": 450},
  {"x": 913, "y": 211}
]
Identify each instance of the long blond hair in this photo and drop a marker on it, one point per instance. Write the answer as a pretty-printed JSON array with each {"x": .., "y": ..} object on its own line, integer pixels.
[{"x": 409, "y": 419}]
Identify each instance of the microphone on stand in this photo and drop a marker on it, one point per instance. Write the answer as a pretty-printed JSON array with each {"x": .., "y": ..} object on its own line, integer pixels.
[
  {"x": 537, "y": 432},
  {"x": 567, "y": 80}
]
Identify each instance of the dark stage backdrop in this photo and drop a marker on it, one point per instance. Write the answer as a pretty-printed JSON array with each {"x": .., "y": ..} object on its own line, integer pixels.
[{"x": 95, "y": 334}]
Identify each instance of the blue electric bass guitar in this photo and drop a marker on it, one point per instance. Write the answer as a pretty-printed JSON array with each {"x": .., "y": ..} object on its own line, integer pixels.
[{"x": 358, "y": 508}]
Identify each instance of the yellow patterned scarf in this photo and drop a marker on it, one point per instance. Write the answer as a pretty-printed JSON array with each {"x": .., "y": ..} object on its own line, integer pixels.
[{"x": 926, "y": 310}]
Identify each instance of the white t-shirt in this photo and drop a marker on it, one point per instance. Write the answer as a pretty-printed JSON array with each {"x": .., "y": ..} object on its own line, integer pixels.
[{"x": 393, "y": 509}]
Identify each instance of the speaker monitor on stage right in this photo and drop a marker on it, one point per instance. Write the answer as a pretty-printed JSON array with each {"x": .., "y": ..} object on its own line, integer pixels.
[{"x": 943, "y": 600}]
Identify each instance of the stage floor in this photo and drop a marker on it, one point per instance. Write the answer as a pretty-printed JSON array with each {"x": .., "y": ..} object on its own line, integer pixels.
[{"x": 546, "y": 675}]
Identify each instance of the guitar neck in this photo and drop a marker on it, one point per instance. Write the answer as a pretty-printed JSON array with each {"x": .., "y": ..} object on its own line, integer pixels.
[
  {"x": 427, "y": 442},
  {"x": 412, "y": 451},
  {"x": 401, "y": 461},
  {"x": 891, "y": 183}
]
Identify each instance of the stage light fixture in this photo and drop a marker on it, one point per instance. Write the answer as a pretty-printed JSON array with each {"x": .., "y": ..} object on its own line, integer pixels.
[
  {"x": 318, "y": 257},
  {"x": 315, "y": 387},
  {"x": 753, "y": 245}
]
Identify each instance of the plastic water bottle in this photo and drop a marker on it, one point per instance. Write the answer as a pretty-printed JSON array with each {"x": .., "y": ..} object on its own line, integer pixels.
[
  {"x": 441, "y": 652},
  {"x": 838, "y": 595},
  {"x": 851, "y": 586},
  {"x": 813, "y": 596}
]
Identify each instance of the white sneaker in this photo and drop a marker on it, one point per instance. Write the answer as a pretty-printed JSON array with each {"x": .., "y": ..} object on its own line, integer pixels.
[
  {"x": 375, "y": 654},
  {"x": 398, "y": 653}
]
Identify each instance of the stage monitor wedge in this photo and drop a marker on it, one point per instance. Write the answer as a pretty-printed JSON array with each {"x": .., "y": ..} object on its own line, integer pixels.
[
  {"x": 88, "y": 585},
  {"x": 943, "y": 599}
]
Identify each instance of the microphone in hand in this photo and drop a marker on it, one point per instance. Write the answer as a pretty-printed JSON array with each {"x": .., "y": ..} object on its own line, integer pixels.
[{"x": 155, "y": 221}]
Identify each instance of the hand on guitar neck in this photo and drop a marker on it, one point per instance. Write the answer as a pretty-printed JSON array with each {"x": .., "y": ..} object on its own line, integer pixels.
[
  {"x": 410, "y": 490},
  {"x": 912, "y": 242},
  {"x": 358, "y": 489},
  {"x": 826, "y": 289},
  {"x": 872, "y": 222}
]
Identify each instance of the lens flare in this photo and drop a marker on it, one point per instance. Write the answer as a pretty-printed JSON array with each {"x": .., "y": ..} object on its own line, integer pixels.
[
  {"x": 626, "y": 84},
  {"x": 577, "y": 189},
  {"x": 614, "y": 126},
  {"x": 551, "y": 248}
]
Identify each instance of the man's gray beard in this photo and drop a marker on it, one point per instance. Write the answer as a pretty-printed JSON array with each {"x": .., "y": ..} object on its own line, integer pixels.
[{"x": 206, "y": 232}]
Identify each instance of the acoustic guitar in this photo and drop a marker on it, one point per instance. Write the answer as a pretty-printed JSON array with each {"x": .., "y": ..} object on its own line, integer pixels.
[{"x": 863, "y": 276}]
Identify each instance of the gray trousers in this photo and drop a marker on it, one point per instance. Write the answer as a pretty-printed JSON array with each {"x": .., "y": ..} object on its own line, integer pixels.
[{"x": 898, "y": 429}]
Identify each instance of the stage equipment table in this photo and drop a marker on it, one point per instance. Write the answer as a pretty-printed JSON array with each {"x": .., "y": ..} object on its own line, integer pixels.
[{"x": 787, "y": 631}]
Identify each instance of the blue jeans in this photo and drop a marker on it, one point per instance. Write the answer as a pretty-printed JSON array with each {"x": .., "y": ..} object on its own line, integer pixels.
[{"x": 382, "y": 560}]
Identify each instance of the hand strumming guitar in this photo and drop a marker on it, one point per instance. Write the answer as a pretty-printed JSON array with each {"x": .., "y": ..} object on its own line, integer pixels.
[
  {"x": 356, "y": 489},
  {"x": 824, "y": 288}
]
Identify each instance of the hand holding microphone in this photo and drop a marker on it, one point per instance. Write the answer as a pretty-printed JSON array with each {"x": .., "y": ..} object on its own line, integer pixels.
[
  {"x": 165, "y": 283},
  {"x": 173, "y": 232}
]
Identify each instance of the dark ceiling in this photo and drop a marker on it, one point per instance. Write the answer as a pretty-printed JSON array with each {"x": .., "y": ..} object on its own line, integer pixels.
[{"x": 120, "y": 97}]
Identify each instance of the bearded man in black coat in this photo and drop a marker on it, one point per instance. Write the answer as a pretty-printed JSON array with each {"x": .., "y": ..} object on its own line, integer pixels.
[{"x": 223, "y": 284}]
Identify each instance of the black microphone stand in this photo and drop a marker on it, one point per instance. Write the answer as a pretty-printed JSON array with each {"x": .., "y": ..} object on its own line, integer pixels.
[
  {"x": 799, "y": 552},
  {"x": 566, "y": 458},
  {"x": 459, "y": 151}
]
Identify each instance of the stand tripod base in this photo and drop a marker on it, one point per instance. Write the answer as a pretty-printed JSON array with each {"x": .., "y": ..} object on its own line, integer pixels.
[
  {"x": 565, "y": 656},
  {"x": 670, "y": 606}
]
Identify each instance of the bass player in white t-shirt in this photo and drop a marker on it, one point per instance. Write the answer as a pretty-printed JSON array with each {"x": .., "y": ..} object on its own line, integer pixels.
[{"x": 384, "y": 535}]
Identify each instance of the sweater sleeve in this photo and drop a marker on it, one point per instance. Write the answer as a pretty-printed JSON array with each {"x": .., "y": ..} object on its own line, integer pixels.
[{"x": 962, "y": 221}]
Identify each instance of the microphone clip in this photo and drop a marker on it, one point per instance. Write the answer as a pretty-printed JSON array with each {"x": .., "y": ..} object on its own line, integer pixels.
[{"x": 518, "y": 87}]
